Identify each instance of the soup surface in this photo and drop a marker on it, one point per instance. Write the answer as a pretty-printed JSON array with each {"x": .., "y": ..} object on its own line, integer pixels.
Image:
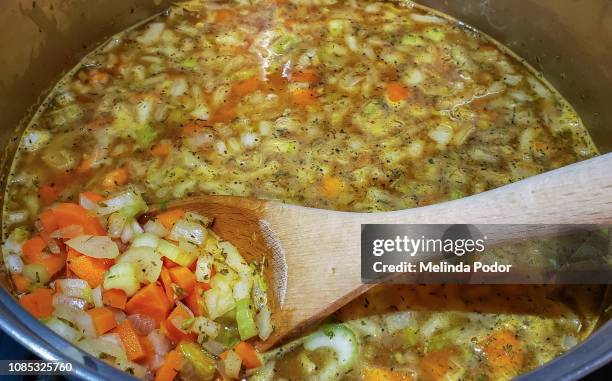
[{"x": 355, "y": 105}]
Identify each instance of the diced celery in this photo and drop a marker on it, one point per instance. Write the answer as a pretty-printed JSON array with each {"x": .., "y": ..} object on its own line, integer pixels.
[
  {"x": 228, "y": 334},
  {"x": 411, "y": 336},
  {"x": 284, "y": 43},
  {"x": 336, "y": 27},
  {"x": 202, "y": 364},
  {"x": 122, "y": 276},
  {"x": 245, "y": 319},
  {"x": 172, "y": 252},
  {"x": 145, "y": 136},
  {"x": 147, "y": 261},
  {"x": 36, "y": 273},
  {"x": 434, "y": 34},
  {"x": 189, "y": 63},
  {"x": 218, "y": 301},
  {"x": 412, "y": 40}
]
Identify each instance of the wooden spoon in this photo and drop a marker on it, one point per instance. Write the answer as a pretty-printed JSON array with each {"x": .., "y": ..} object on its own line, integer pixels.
[{"x": 315, "y": 254}]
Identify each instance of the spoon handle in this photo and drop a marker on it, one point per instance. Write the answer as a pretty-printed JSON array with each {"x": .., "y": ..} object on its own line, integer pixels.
[{"x": 580, "y": 193}]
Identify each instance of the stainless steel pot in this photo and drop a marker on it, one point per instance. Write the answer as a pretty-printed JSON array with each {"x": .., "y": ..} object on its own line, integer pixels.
[{"x": 568, "y": 40}]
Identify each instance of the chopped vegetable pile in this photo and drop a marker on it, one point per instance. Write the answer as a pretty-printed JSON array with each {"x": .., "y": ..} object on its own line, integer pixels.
[{"x": 161, "y": 298}]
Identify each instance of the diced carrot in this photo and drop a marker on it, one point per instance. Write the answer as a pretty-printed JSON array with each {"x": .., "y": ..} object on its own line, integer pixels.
[
  {"x": 304, "y": 97},
  {"x": 223, "y": 16},
  {"x": 308, "y": 75},
  {"x": 397, "y": 92},
  {"x": 169, "y": 263},
  {"x": 150, "y": 301},
  {"x": 167, "y": 283},
  {"x": 246, "y": 87},
  {"x": 103, "y": 319},
  {"x": 67, "y": 214},
  {"x": 380, "y": 374},
  {"x": 173, "y": 363},
  {"x": 161, "y": 149},
  {"x": 224, "y": 114},
  {"x": 48, "y": 221},
  {"x": 331, "y": 186},
  {"x": 34, "y": 252},
  {"x": 184, "y": 278},
  {"x": 169, "y": 217},
  {"x": 248, "y": 355},
  {"x": 50, "y": 192},
  {"x": 92, "y": 196},
  {"x": 99, "y": 78},
  {"x": 194, "y": 300},
  {"x": 115, "y": 178},
  {"x": 87, "y": 268},
  {"x": 39, "y": 302},
  {"x": 436, "y": 364},
  {"x": 504, "y": 353},
  {"x": 85, "y": 164},
  {"x": 276, "y": 81},
  {"x": 114, "y": 298},
  {"x": 148, "y": 348},
  {"x": 131, "y": 342},
  {"x": 20, "y": 282},
  {"x": 172, "y": 326},
  {"x": 192, "y": 128}
]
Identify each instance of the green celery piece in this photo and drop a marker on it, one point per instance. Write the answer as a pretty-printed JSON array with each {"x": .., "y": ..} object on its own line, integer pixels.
[{"x": 245, "y": 319}]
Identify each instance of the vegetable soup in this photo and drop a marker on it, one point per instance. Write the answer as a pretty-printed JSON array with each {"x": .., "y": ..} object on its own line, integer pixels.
[{"x": 347, "y": 105}]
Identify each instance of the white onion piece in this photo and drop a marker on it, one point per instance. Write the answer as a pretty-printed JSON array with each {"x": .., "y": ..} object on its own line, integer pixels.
[
  {"x": 231, "y": 365},
  {"x": 14, "y": 263},
  {"x": 189, "y": 231},
  {"x": 87, "y": 203},
  {"x": 214, "y": 347},
  {"x": 69, "y": 231},
  {"x": 85, "y": 323},
  {"x": 116, "y": 223},
  {"x": 159, "y": 341},
  {"x": 119, "y": 202},
  {"x": 136, "y": 227},
  {"x": 263, "y": 320},
  {"x": 204, "y": 268},
  {"x": 146, "y": 240},
  {"x": 204, "y": 326},
  {"x": 97, "y": 297},
  {"x": 76, "y": 288},
  {"x": 143, "y": 325},
  {"x": 127, "y": 234},
  {"x": 63, "y": 330},
  {"x": 156, "y": 228},
  {"x": 60, "y": 299},
  {"x": 119, "y": 315},
  {"x": 94, "y": 246},
  {"x": 426, "y": 19}
]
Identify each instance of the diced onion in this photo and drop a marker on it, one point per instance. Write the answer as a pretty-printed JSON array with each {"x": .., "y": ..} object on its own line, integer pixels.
[
  {"x": 94, "y": 246},
  {"x": 116, "y": 224},
  {"x": 60, "y": 299},
  {"x": 69, "y": 231},
  {"x": 148, "y": 263},
  {"x": 156, "y": 228},
  {"x": 190, "y": 231},
  {"x": 204, "y": 326},
  {"x": 231, "y": 364},
  {"x": 62, "y": 329},
  {"x": 122, "y": 200},
  {"x": 161, "y": 344},
  {"x": 14, "y": 263},
  {"x": 426, "y": 19},
  {"x": 263, "y": 319},
  {"x": 76, "y": 288},
  {"x": 143, "y": 325},
  {"x": 97, "y": 296},
  {"x": 87, "y": 203},
  {"x": 204, "y": 268},
  {"x": 214, "y": 347},
  {"x": 85, "y": 323},
  {"x": 146, "y": 240}
]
